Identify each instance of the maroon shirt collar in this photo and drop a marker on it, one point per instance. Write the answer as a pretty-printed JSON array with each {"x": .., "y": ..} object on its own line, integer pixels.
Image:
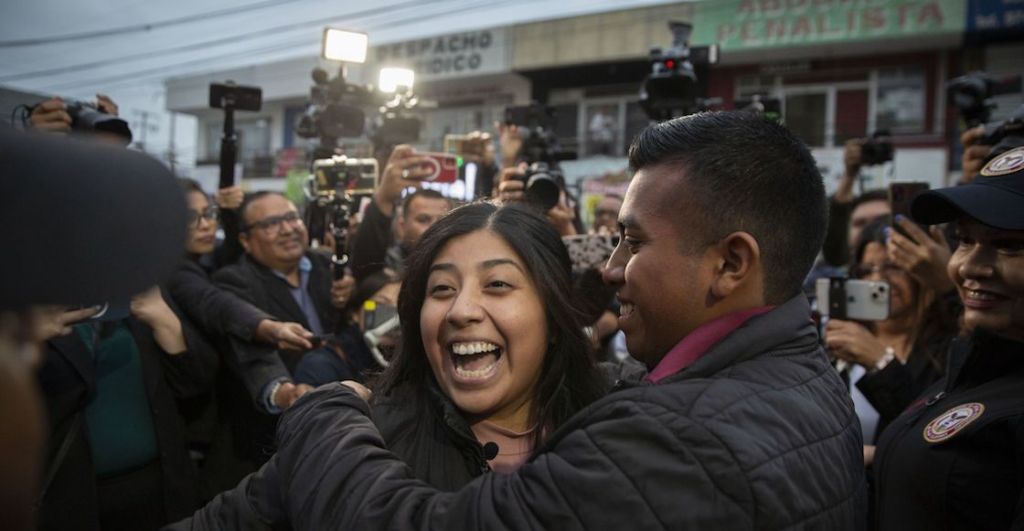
[{"x": 698, "y": 342}]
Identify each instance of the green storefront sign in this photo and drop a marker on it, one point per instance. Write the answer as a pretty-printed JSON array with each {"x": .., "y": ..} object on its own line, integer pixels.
[{"x": 748, "y": 24}]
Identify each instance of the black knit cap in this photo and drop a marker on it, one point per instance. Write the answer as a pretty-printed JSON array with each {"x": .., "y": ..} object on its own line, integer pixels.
[
  {"x": 83, "y": 222},
  {"x": 995, "y": 197}
]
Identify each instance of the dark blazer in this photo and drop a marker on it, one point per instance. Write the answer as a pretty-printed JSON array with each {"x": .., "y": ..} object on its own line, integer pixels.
[
  {"x": 246, "y": 440},
  {"x": 68, "y": 382},
  {"x": 215, "y": 310},
  {"x": 258, "y": 285}
]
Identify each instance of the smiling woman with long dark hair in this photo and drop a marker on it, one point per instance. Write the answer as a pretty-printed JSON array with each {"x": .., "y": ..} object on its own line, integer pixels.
[{"x": 499, "y": 355}]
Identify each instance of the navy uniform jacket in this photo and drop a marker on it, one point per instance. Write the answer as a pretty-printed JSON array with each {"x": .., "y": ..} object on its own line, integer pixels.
[{"x": 955, "y": 458}]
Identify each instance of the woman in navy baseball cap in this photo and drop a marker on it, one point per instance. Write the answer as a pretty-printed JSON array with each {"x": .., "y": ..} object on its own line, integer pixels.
[{"x": 954, "y": 458}]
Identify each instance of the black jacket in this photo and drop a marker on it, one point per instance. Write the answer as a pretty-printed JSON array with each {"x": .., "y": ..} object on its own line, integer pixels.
[
  {"x": 759, "y": 433},
  {"x": 258, "y": 285},
  {"x": 370, "y": 247},
  {"x": 68, "y": 382},
  {"x": 217, "y": 311},
  {"x": 966, "y": 473},
  {"x": 893, "y": 388}
]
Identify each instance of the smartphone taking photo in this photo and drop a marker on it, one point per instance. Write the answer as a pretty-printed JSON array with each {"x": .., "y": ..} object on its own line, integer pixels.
[
  {"x": 857, "y": 300},
  {"x": 901, "y": 195}
]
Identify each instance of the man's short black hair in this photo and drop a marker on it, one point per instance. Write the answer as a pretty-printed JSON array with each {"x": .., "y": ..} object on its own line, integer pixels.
[
  {"x": 747, "y": 173},
  {"x": 425, "y": 193},
  {"x": 249, "y": 200}
]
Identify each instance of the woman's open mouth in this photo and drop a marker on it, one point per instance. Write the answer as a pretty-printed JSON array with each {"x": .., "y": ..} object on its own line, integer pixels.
[{"x": 475, "y": 360}]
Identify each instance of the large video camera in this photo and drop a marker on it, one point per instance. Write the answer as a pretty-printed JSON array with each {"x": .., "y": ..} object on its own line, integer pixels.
[
  {"x": 543, "y": 179},
  {"x": 397, "y": 123},
  {"x": 672, "y": 89},
  {"x": 334, "y": 110},
  {"x": 972, "y": 95}
]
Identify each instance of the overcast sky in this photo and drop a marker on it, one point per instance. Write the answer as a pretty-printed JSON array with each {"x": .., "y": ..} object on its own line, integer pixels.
[{"x": 126, "y": 48}]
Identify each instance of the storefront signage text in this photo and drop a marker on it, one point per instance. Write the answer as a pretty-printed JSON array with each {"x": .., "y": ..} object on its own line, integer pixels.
[
  {"x": 739, "y": 24},
  {"x": 461, "y": 54}
]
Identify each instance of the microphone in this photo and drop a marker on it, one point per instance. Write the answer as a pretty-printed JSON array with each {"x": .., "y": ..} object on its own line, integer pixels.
[{"x": 490, "y": 451}]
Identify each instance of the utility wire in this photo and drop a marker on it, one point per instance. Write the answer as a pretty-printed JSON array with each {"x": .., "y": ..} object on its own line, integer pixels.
[
  {"x": 213, "y": 42},
  {"x": 135, "y": 28},
  {"x": 162, "y": 71}
]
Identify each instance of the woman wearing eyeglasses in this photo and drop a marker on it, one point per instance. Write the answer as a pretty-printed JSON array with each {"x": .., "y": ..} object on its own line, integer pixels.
[{"x": 892, "y": 361}]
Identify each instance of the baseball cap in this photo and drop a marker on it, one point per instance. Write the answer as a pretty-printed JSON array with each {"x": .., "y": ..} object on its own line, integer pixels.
[
  {"x": 995, "y": 197},
  {"x": 83, "y": 222}
]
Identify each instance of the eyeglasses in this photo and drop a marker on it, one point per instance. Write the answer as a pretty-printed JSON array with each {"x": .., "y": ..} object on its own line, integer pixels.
[
  {"x": 194, "y": 218},
  {"x": 886, "y": 270},
  {"x": 273, "y": 224}
]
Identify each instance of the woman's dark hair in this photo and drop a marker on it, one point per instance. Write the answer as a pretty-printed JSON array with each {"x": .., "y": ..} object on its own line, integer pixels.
[
  {"x": 935, "y": 318},
  {"x": 569, "y": 380},
  {"x": 190, "y": 185}
]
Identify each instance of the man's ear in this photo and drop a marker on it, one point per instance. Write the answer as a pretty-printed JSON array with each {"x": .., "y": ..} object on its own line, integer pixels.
[
  {"x": 243, "y": 238},
  {"x": 739, "y": 265}
]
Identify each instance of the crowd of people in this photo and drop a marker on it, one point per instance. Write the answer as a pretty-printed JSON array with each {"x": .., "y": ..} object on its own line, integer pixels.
[{"x": 462, "y": 372}]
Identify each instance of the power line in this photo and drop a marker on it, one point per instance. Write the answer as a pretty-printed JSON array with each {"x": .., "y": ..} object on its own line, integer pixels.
[
  {"x": 198, "y": 17},
  {"x": 214, "y": 42},
  {"x": 162, "y": 71}
]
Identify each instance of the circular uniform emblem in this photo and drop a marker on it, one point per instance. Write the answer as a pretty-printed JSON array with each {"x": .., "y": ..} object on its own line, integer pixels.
[
  {"x": 1010, "y": 162},
  {"x": 952, "y": 422}
]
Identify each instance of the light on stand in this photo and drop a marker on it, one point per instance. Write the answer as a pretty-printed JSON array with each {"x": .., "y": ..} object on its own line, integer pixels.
[
  {"x": 392, "y": 78},
  {"x": 347, "y": 46}
]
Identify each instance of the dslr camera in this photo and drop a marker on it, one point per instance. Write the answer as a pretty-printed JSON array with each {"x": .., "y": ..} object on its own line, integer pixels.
[
  {"x": 86, "y": 117},
  {"x": 876, "y": 150},
  {"x": 1006, "y": 134},
  {"x": 972, "y": 95},
  {"x": 543, "y": 179},
  {"x": 672, "y": 89}
]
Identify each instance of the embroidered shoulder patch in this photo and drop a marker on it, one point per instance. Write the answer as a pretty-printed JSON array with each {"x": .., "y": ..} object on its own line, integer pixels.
[
  {"x": 1010, "y": 162},
  {"x": 952, "y": 422}
]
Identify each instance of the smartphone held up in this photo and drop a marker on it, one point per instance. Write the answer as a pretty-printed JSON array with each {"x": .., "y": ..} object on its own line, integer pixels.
[{"x": 858, "y": 300}]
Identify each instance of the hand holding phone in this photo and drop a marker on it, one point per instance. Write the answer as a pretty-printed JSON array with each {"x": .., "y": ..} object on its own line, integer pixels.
[
  {"x": 901, "y": 195},
  {"x": 439, "y": 167},
  {"x": 852, "y": 342},
  {"x": 860, "y": 300}
]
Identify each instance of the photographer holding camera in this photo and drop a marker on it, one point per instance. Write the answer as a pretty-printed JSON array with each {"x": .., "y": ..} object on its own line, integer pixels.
[
  {"x": 51, "y": 115},
  {"x": 98, "y": 119},
  {"x": 848, "y": 213},
  {"x": 390, "y": 230}
]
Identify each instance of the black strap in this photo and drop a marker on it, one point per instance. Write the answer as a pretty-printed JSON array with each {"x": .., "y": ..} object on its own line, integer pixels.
[{"x": 58, "y": 459}]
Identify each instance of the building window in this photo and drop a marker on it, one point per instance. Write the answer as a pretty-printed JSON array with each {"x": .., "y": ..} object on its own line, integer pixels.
[
  {"x": 749, "y": 86},
  {"x": 602, "y": 129},
  {"x": 900, "y": 100},
  {"x": 566, "y": 123},
  {"x": 636, "y": 121}
]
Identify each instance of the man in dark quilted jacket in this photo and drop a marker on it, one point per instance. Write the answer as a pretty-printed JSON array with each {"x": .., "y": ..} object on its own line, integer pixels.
[{"x": 740, "y": 423}]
